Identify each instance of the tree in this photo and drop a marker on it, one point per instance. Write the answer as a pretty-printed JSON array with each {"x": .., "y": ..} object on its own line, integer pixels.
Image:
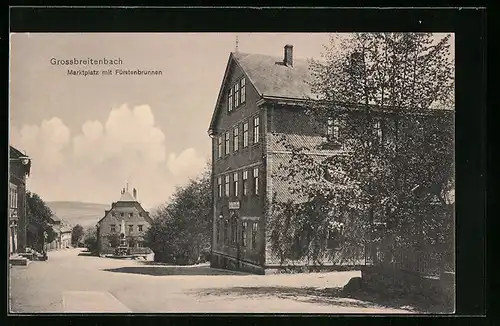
[
  {"x": 76, "y": 235},
  {"x": 36, "y": 209},
  {"x": 39, "y": 214},
  {"x": 90, "y": 239},
  {"x": 388, "y": 100},
  {"x": 181, "y": 229}
]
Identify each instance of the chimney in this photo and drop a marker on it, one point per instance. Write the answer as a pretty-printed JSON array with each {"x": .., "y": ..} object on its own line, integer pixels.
[
  {"x": 288, "y": 58},
  {"x": 135, "y": 193}
]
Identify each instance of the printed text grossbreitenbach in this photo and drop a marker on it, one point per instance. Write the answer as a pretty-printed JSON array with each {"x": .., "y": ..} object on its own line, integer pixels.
[{"x": 100, "y": 62}]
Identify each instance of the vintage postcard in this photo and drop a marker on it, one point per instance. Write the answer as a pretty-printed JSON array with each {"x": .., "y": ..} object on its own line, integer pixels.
[{"x": 232, "y": 173}]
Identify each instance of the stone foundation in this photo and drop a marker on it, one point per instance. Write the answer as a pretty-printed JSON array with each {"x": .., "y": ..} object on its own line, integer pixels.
[{"x": 226, "y": 262}]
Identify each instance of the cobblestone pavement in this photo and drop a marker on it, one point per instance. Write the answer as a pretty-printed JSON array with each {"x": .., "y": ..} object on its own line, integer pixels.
[{"x": 71, "y": 282}]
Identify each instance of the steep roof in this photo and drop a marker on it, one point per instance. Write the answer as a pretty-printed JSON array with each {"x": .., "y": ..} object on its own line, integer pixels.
[
  {"x": 127, "y": 197},
  {"x": 130, "y": 201},
  {"x": 271, "y": 77}
]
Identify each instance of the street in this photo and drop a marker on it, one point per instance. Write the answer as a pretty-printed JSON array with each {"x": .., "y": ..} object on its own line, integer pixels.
[{"x": 71, "y": 281}]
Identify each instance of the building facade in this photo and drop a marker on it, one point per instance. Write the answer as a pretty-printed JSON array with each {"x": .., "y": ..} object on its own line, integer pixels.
[
  {"x": 259, "y": 115},
  {"x": 260, "y": 102},
  {"x": 19, "y": 170},
  {"x": 126, "y": 210},
  {"x": 65, "y": 235}
]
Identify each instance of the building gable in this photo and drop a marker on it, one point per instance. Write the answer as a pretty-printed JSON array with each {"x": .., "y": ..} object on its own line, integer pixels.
[{"x": 233, "y": 68}]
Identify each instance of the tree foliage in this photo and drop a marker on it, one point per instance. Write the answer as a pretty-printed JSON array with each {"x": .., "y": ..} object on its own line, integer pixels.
[
  {"x": 392, "y": 97},
  {"x": 40, "y": 214},
  {"x": 36, "y": 209},
  {"x": 114, "y": 240},
  {"x": 181, "y": 229},
  {"x": 76, "y": 234},
  {"x": 90, "y": 239}
]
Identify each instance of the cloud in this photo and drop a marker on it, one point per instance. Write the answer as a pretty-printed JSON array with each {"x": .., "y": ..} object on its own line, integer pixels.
[
  {"x": 45, "y": 143},
  {"x": 187, "y": 164},
  {"x": 95, "y": 163}
]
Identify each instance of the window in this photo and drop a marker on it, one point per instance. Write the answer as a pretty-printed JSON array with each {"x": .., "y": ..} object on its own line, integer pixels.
[
  {"x": 130, "y": 228},
  {"x": 256, "y": 181},
  {"x": 235, "y": 184},
  {"x": 226, "y": 142},
  {"x": 254, "y": 235},
  {"x": 112, "y": 228},
  {"x": 256, "y": 130},
  {"x": 236, "y": 94},
  {"x": 230, "y": 100},
  {"x": 236, "y": 139},
  {"x": 219, "y": 147},
  {"x": 245, "y": 134},
  {"x": 121, "y": 214},
  {"x": 131, "y": 214},
  {"x": 333, "y": 129},
  {"x": 244, "y": 225},
  {"x": 139, "y": 228},
  {"x": 219, "y": 186},
  {"x": 245, "y": 183},
  {"x": 242, "y": 90},
  {"x": 226, "y": 185},
  {"x": 13, "y": 196}
]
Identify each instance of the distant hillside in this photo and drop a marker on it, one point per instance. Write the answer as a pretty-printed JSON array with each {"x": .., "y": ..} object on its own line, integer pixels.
[{"x": 85, "y": 214}]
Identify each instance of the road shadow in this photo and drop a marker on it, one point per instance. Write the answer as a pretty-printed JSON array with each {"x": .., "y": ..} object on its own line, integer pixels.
[
  {"x": 327, "y": 296},
  {"x": 155, "y": 263},
  {"x": 172, "y": 270}
]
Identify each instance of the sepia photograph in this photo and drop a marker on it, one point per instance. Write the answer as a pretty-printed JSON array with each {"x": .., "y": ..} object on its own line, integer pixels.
[{"x": 232, "y": 173}]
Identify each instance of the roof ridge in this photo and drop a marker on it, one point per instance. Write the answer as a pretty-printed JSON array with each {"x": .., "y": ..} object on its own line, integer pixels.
[{"x": 270, "y": 56}]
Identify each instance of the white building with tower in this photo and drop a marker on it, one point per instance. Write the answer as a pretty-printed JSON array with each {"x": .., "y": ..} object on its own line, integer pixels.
[{"x": 126, "y": 216}]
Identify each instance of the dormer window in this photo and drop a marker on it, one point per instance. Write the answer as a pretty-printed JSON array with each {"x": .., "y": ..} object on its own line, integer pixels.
[{"x": 230, "y": 100}]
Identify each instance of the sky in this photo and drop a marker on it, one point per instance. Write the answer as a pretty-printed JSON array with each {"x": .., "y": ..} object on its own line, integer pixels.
[{"x": 89, "y": 135}]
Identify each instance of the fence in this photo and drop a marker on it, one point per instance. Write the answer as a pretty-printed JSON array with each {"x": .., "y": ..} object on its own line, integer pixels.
[{"x": 425, "y": 262}]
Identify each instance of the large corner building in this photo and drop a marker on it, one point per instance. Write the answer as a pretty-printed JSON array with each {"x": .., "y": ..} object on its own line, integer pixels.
[{"x": 261, "y": 100}]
